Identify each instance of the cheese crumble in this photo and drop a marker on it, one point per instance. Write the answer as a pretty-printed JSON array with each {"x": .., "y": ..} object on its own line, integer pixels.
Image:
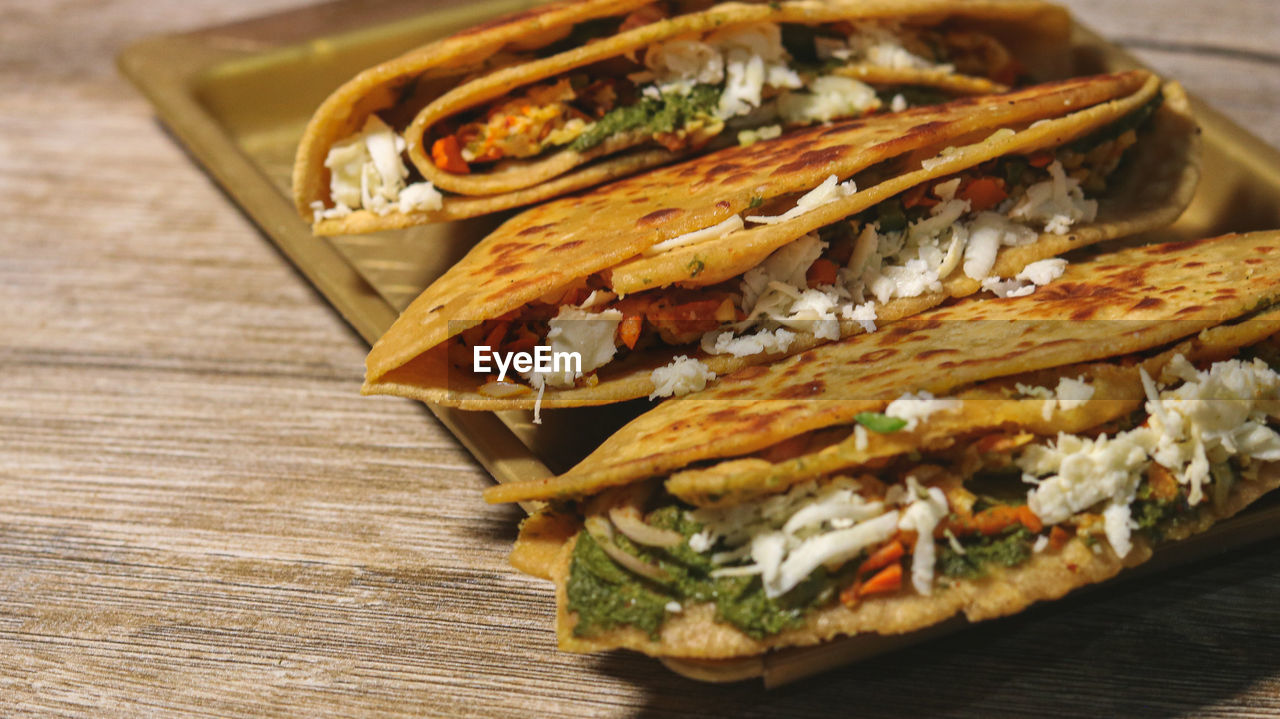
[
  {"x": 829, "y": 191},
  {"x": 682, "y": 376},
  {"x": 1214, "y": 415},
  {"x": 366, "y": 171},
  {"x": 914, "y": 408},
  {"x": 590, "y": 335},
  {"x": 788, "y": 536},
  {"x": 747, "y": 59}
]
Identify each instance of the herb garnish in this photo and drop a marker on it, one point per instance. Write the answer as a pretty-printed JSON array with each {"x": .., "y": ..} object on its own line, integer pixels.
[{"x": 879, "y": 422}]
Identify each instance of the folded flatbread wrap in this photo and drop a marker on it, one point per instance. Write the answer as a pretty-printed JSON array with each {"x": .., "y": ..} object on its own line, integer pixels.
[
  {"x": 753, "y": 253},
  {"x": 572, "y": 94},
  {"x": 890, "y": 516},
  {"x": 1108, "y": 305}
]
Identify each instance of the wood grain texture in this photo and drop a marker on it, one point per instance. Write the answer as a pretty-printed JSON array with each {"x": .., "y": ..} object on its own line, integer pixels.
[{"x": 199, "y": 514}]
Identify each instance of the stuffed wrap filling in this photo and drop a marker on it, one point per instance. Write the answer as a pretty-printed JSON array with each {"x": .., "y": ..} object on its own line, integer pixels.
[
  {"x": 921, "y": 522},
  {"x": 739, "y": 83},
  {"x": 827, "y": 283}
]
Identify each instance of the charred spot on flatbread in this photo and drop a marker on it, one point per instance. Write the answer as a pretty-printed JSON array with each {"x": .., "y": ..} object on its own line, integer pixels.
[
  {"x": 1039, "y": 339},
  {"x": 481, "y": 285}
]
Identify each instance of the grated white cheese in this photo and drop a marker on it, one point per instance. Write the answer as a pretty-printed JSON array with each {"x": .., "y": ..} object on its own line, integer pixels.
[
  {"x": 776, "y": 295},
  {"x": 788, "y": 535},
  {"x": 827, "y": 98},
  {"x": 834, "y": 547},
  {"x": 715, "y": 232},
  {"x": 879, "y": 44},
  {"x": 745, "y": 58},
  {"x": 1025, "y": 282},
  {"x": 946, "y": 191},
  {"x": 829, "y": 508},
  {"x": 941, "y": 217},
  {"x": 682, "y": 376},
  {"x": 366, "y": 171},
  {"x": 420, "y": 197},
  {"x": 1058, "y": 202},
  {"x": 1007, "y": 288},
  {"x": 988, "y": 232},
  {"x": 320, "y": 212},
  {"x": 814, "y": 311},
  {"x": 702, "y": 541},
  {"x": 767, "y": 551},
  {"x": 911, "y": 263},
  {"x": 864, "y": 247},
  {"x": 765, "y": 341},
  {"x": 597, "y": 297},
  {"x": 917, "y": 407},
  {"x": 678, "y": 65},
  {"x": 921, "y": 515},
  {"x": 1033, "y": 390},
  {"x": 1083, "y": 472},
  {"x": 910, "y": 279},
  {"x": 786, "y": 266},
  {"x": 346, "y": 161},
  {"x": 829, "y": 191},
  {"x": 948, "y": 152},
  {"x": 1115, "y": 524},
  {"x": 1069, "y": 394},
  {"x": 1214, "y": 415},
  {"x": 898, "y": 104},
  {"x": 940, "y": 159},
  {"x": 864, "y": 314},
  {"x": 749, "y": 59},
  {"x": 1073, "y": 393},
  {"x": 1043, "y": 272},
  {"x": 589, "y": 334},
  {"x": 753, "y": 59}
]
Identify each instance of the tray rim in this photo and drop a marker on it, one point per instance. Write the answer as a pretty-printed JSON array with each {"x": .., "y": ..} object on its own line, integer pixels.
[{"x": 167, "y": 68}]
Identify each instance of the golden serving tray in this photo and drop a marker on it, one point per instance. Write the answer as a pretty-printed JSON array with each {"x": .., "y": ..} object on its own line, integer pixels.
[{"x": 238, "y": 97}]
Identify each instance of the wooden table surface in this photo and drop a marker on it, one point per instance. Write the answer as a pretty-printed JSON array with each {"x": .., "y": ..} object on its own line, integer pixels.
[{"x": 199, "y": 513}]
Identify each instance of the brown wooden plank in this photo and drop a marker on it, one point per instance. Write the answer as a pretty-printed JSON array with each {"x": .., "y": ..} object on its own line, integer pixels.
[{"x": 199, "y": 515}]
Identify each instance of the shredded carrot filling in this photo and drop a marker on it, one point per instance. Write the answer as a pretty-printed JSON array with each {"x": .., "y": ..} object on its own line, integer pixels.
[
  {"x": 822, "y": 272},
  {"x": 667, "y": 316},
  {"x": 983, "y": 193},
  {"x": 518, "y": 127},
  {"x": 447, "y": 155},
  {"x": 1041, "y": 159},
  {"x": 886, "y": 580},
  {"x": 558, "y": 110},
  {"x": 991, "y": 521},
  {"x": 883, "y": 557}
]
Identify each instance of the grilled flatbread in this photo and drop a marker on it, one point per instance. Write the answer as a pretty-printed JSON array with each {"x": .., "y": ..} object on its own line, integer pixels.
[
  {"x": 754, "y": 253},
  {"x": 573, "y": 94},
  {"x": 1110, "y": 305},
  {"x": 979, "y": 501}
]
